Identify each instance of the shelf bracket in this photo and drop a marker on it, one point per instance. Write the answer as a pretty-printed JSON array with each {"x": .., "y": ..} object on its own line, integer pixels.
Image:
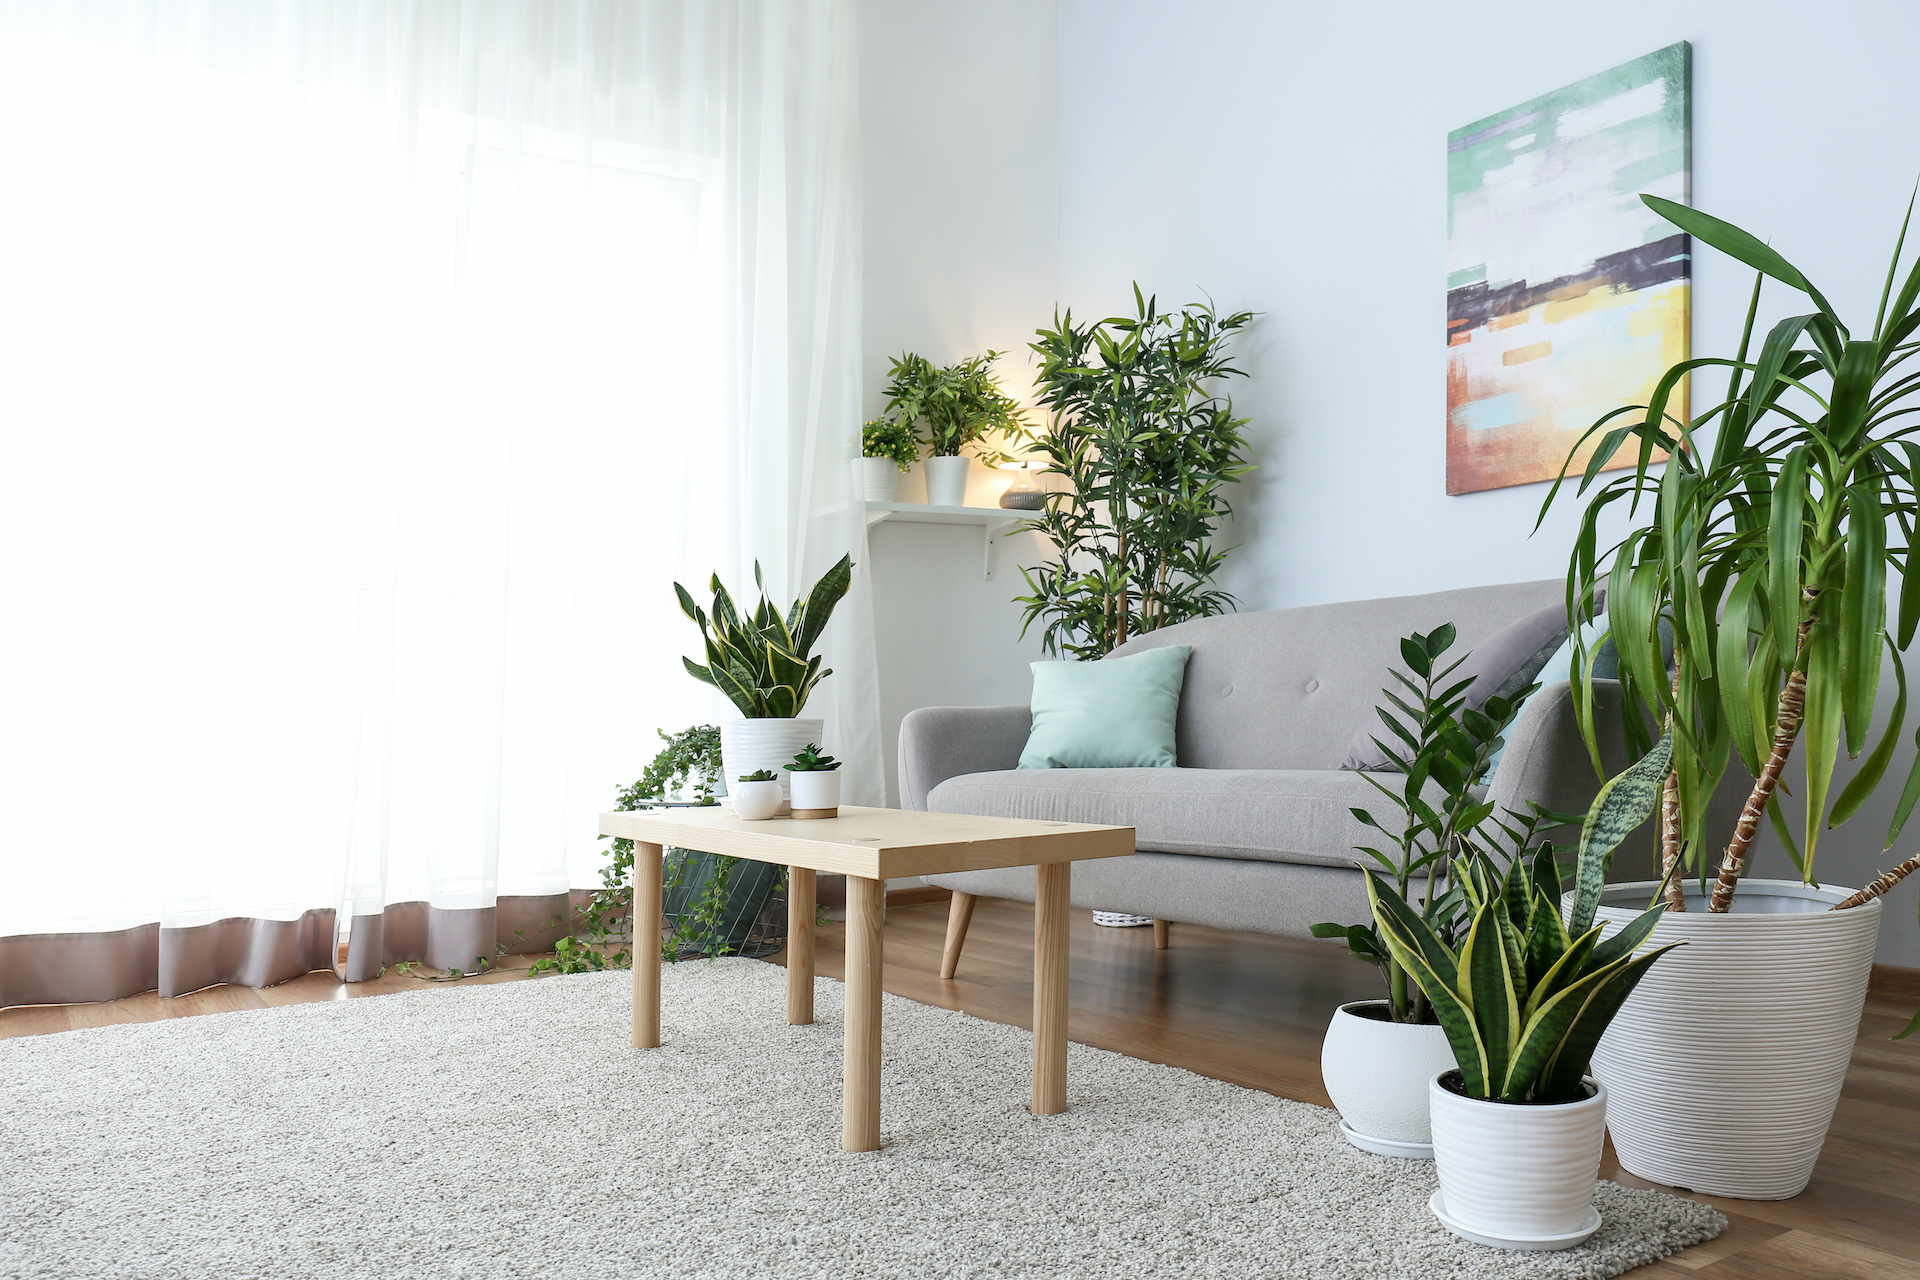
[{"x": 989, "y": 535}]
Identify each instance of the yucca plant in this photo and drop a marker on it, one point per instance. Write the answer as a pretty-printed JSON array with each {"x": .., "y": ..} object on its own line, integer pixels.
[
  {"x": 765, "y": 663},
  {"x": 1524, "y": 998},
  {"x": 1768, "y": 555}
]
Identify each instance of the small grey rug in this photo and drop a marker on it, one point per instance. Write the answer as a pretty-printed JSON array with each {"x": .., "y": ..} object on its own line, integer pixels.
[{"x": 509, "y": 1130}]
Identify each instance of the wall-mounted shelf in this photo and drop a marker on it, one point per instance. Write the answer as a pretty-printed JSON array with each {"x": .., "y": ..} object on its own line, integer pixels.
[{"x": 993, "y": 522}]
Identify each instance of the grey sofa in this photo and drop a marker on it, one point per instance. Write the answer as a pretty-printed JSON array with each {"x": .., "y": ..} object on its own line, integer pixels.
[{"x": 1253, "y": 830}]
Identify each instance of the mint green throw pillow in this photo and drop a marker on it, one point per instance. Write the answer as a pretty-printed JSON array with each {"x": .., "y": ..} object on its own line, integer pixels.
[{"x": 1116, "y": 713}]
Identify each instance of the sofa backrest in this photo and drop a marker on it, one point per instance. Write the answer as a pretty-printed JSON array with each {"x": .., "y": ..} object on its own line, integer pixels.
[{"x": 1287, "y": 688}]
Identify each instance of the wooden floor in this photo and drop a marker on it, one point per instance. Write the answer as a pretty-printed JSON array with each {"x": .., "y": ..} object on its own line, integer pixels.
[{"x": 1251, "y": 1009}]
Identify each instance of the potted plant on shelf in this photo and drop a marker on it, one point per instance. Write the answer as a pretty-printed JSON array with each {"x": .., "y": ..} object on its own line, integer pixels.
[
  {"x": 756, "y": 796},
  {"x": 888, "y": 450},
  {"x": 961, "y": 405},
  {"x": 1379, "y": 1056},
  {"x": 765, "y": 665},
  {"x": 1518, "y": 1124},
  {"x": 815, "y": 783},
  {"x": 1767, "y": 555}
]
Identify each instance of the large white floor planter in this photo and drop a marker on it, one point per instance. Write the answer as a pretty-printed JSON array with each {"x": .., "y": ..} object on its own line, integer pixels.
[
  {"x": 1516, "y": 1176},
  {"x": 747, "y": 746},
  {"x": 1725, "y": 1064},
  {"x": 1377, "y": 1073}
]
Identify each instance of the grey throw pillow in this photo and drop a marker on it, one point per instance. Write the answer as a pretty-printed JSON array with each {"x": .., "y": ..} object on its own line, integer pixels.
[{"x": 1502, "y": 664}]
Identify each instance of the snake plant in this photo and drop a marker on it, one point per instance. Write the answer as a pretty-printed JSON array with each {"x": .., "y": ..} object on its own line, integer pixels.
[
  {"x": 765, "y": 663},
  {"x": 1525, "y": 997}
]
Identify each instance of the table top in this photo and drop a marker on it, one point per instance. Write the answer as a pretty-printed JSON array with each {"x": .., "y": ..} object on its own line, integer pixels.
[{"x": 878, "y": 844}]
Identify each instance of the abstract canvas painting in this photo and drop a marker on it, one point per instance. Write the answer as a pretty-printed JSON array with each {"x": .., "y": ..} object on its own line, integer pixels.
[{"x": 1566, "y": 296}]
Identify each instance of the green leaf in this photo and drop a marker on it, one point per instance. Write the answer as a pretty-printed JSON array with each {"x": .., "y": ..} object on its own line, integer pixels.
[
  {"x": 1625, "y": 802},
  {"x": 1561, "y": 1080},
  {"x": 1820, "y": 733},
  {"x": 1863, "y": 611},
  {"x": 1486, "y": 986},
  {"x": 1731, "y": 663},
  {"x": 1852, "y": 389},
  {"x": 1735, "y": 243},
  {"x": 1864, "y": 783},
  {"x": 1784, "y": 529}
]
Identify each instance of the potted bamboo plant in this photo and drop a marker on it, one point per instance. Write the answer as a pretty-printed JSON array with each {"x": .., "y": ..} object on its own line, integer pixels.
[
  {"x": 764, "y": 663},
  {"x": 1379, "y": 1056},
  {"x": 1766, "y": 552},
  {"x": 1518, "y": 1124},
  {"x": 960, "y": 404}
]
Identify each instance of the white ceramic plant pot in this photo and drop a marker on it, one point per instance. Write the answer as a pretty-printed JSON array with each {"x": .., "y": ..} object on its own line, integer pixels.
[
  {"x": 748, "y": 746},
  {"x": 756, "y": 801},
  {"x": 1377, "y": 1073},
  {"x": 1516, "y": 1176},
  {"x": 879, "y": 478},
  {"x": 814, "y": 788},
  {"x": 947, "y": 481},
  {"x": 1725, "y": 1064}
]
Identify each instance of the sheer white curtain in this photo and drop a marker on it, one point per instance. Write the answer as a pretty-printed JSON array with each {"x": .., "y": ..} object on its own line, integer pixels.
[{"x": 372, "y": 371}]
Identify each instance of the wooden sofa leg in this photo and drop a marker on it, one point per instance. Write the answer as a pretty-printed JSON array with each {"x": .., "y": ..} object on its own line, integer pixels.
[
  {"x": 959, "y": 916},
  {"x": 1160, "y": 928}
]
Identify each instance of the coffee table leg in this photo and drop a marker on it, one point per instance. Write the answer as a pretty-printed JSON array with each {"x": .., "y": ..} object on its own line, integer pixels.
[
  {"x": 646, "y": 945},
  {"x": 860, "y": 1098},
  {"x": 1052, "y": 887},
  {"x": 800, "y": 898}
]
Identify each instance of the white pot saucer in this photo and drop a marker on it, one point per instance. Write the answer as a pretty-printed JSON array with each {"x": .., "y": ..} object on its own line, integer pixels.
[
  {"x": 1588, "y": 1225},
  {"x": 1387, "y": 1146}
]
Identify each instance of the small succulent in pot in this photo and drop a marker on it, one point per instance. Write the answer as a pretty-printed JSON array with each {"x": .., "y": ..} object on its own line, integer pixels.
[
  {"x": 814, "y": 778},
  {"x": 757, "y": 796},
  {"x": 811, "y": 759}
]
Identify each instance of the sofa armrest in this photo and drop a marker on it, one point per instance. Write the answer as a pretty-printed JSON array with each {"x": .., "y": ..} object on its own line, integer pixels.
[{"x": 937, "y": 743}]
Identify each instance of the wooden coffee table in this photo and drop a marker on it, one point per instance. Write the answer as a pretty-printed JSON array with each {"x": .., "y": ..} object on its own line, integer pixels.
[{"x": 870, "y": 847}]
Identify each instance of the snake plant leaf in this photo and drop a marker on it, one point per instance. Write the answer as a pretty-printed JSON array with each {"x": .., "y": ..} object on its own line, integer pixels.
[
  {"x": 1546, "y": 938},
  {"x": 1560, "y": 1082},
  {"x": 1863, "y": 610},
  {"x": 1625, "y": 942},
  {"x": 1543, "y": 1035},
  {"x": 698, "y": 672},
  {"x": 740, "y": 693},
  {"x": 1396, "y": 918},
  {"x": 688, "y": 607},
  {"x": 1735, "y": 243},
  {"x": 826, "y": 594},
  {"x": 1626, "y": 801},
  {"x": 1456, "y": 1019},
  {"x": 1486, "y": 987},
  {"x": 1572, "y": 965},
  {"x": 782, "y": 701}
]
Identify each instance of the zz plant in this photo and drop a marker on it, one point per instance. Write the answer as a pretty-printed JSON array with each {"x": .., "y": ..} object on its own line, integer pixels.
[
  {"x": 1137, "y": 426},
  {"x": 764, "y": 663},
  {"x": 1435, "y": 738},
  {"x": 1768, "y": 553},
  {"x": 1524, "y": 998}
]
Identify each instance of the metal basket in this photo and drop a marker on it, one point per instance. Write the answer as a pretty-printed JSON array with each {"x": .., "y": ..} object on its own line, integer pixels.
[{"x": 751, "y": 915}]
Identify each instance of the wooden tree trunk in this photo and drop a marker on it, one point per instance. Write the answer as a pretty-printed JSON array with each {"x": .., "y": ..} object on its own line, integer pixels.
[
  {"x": 1670, "y": 825},
  {"x": 1786, "y": 727},
  {"x": 1881, "y": 885}
]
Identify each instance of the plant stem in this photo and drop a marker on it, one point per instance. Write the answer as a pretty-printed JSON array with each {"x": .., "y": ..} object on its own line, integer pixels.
[
  {"x": 1793, "y": 704},
  {"x": 1881, "y": 885},
  {"x": 1396, "y": 992},
  {"x": 1670, "y": 843}
]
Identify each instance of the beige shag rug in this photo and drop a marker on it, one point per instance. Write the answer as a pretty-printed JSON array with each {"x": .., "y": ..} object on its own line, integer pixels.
[{"x": 509, "y": 1130}]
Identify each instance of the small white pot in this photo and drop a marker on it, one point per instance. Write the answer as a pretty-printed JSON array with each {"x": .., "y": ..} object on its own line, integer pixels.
[
  {"x": 879, "y": 478},
  {"x": 947, "y": 481},
  {"x": 1725, "y": 1064},
  {"x": 1517, "y": 1176},
  {"x": 814, "y": 788},
  {"x": 756, "y": 801},
  {"x": 748, "y": 746},
  {"x": 1377, "y": 1073}
]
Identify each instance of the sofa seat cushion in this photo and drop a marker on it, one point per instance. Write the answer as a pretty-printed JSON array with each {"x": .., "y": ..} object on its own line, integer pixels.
[{"x": 1265, "y": 815}]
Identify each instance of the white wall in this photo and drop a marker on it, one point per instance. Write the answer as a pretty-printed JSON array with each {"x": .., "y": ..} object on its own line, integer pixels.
[
  {"x": 960, "y": 169},
  {"x": 1291, "y": 159}
]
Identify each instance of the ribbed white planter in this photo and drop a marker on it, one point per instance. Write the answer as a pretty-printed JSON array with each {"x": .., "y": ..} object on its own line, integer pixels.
[
  {"x": 747, "y": 746},
  {"x": 1725, "y": 1063},
  {"x": 947, "y": 481},
  {"x": 1513, "y": 1176},
  {"x": 1377, "y": 1073},
  {"x": 814, "y": 788},
  {"x": 879, "y": 478}
]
